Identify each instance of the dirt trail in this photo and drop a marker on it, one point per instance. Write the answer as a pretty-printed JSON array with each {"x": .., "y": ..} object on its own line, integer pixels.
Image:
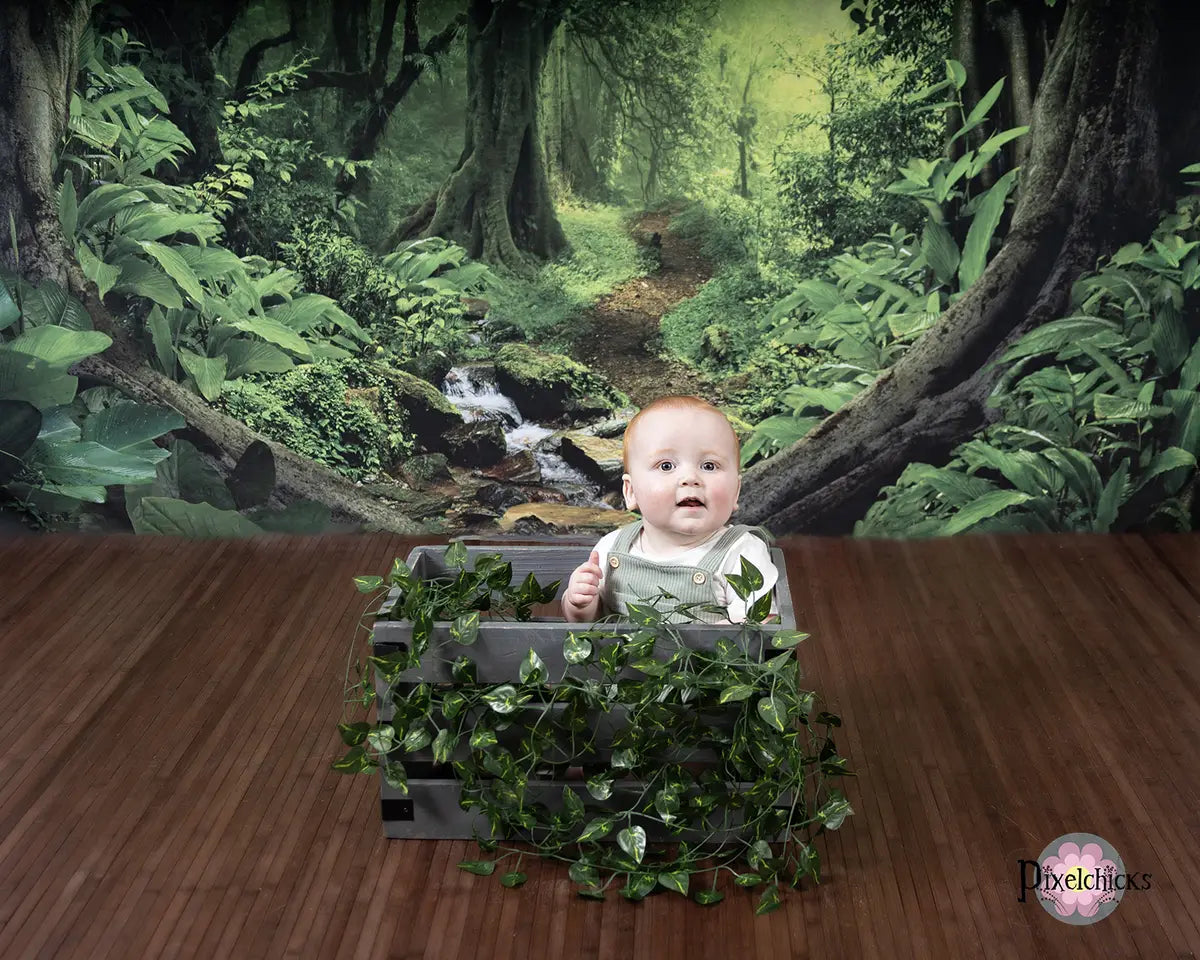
[{"x": 619, "y": 336}]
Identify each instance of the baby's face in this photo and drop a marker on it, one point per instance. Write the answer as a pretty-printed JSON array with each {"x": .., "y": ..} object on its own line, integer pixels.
[{"x": 683, "y": 473}]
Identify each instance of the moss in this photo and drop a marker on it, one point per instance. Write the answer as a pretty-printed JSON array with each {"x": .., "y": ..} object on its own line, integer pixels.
[
  {"x": 529, "y": 366},
  {"x": 412, "y": 390}
]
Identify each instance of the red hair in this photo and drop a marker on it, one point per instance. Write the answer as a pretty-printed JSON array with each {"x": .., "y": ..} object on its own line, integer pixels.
[{"x": 677, "y": 403}]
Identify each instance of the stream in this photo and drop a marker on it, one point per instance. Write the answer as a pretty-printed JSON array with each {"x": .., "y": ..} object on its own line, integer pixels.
[{"x": 474, "y": 392}]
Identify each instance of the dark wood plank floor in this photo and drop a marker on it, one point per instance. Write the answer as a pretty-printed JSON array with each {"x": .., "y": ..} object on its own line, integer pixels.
[{"x": 167, "y": 716}]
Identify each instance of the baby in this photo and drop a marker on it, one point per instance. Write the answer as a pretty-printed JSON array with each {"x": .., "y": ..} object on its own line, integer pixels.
[{"x": 682, "y": 473}]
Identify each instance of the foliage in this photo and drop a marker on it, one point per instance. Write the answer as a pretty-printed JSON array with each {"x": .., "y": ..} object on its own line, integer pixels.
[
  {"x": 215, "y": 316},
  {"x": 833, "y": 193},
  {"x": 311, "y": 410},
  {"x": 719, "y": 327},
  {"x": 602, "y": 257},
  {"x": 874, "y": 301},
  {"x": 410, "y": 300},
  {"x": 1099, "y": 412},
  {"x": 273, "y": 177},
  {"x": 670, "y": 706},
  {"x": 188, "y": 497},
  {"x": 59, "y": 449}
]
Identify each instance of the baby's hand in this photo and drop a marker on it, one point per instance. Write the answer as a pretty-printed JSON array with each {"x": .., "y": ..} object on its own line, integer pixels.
[{"x": 582, "y": 598}]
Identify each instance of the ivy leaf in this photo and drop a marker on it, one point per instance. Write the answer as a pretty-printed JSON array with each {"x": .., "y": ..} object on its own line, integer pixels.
[
  {"x": 770, "y": 900},
  {"x": 456, "y": 555},
  {"x": 514, "y": 879},
  {"x": 483, "y": 868},
  {"x": 633, "y": 841},
  {"x": 418, "y": 738},
  {"x": 644, "y": 614},
  {"x": 835, "y": 811},
  {"x": 639, "y": 885},
  {"x": 748, "y": 879},
  {"x": 395, "y": 776},
  {"x": 591, "y": 894},
  {"x": 443, "y": 745},
  {"x": 572, "y": 805},
  {"x": 465, "y": 628},
  {"x": 382, "y": 738},
  {"x": 504, "y": 699},
  {"x": 368, "y": 584},
  {"x": 706, "y": 898},
  {"x": 739, "y": 691},
  {"x": 768, "y": 709},
  {"x": 354, "y": 733},
  {"x": 599, "y": 827},
  {"x": 582, "y": 872},
  {"x": 576, "y": 649},
  {"x": 532, "y": 669},
  {"x": 600, "y": 786},
  {"x": 355, "y": 761},
  {"x": 401, "y": 573},
  {"x": 482, "y": 738},
  {"x": 649, "y": 666},
  {"x": 452, "y": 704},
  {"x": 787, "y": 638},
  {"x": 624, "y": 759},
  {"x": 677, "y": 881}
]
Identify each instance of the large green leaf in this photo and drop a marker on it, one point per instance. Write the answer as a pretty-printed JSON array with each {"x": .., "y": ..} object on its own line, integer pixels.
[
  {"x": 1116, "y": 492},
  {"x": 983, "y": 226},
  {"x": 131, "y": 427},
  {"x": 273, "y": 332},
  {"x": 208, "y": 372},
  {"x": 1057, "y": 334},
  {"x": 211, "y": 261},
  {"x": 59, "y": 346},
  {"x": 178, "y": 518},
  {"x": 105, "y": 201},
  {"x": 142, "y": 279},
  {"x": 979, "y": 113},
  {"x": 176, "y": 268},
  {"x": 102, "y": 274},
  {"x": 153, "y": 221},
  {"x": 48, "y": 304},
  {"x": 986, "y": 506},
  {"x": 1169, "y": 338},
  {"x": 86, "y": 463},
  {"x": 940, "y": 251},
  {"x": 253, "y": 356},
  {"x": 35, "y": 381}
]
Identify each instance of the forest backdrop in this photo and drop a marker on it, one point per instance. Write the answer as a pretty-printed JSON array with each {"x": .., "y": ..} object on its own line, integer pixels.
[{"x": 389, "y": 264}]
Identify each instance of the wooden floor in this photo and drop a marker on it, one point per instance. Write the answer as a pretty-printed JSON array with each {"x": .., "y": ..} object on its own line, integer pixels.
[{"x": 167, "y": 718}]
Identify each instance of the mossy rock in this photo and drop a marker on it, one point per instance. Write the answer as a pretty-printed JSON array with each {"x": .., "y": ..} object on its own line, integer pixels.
[
  {"x": 429, "y": 414},
  {"x": 549, "y": 386}
]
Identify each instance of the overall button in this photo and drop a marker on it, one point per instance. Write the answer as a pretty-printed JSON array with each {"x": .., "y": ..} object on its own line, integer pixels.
[
  {"x": 697, "y": 577},
  {"x": 614, "y": 562}
]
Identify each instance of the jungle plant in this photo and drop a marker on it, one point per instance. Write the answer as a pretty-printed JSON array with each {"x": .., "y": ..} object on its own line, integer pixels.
[
  {"x": 59, "y": 450},
  {"x": 214, "y": 316},
  {"x": 875, "y": 301},
  {"x": 715, "y": 749},
  {"x": 1099, "y": 413}
]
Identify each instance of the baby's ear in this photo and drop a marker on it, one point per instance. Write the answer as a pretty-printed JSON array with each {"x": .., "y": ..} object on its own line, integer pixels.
[{"x": 627, "y": 492}]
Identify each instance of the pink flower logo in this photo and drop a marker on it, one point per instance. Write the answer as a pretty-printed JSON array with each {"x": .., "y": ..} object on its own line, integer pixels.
[{"x": 1078, "y": 880}]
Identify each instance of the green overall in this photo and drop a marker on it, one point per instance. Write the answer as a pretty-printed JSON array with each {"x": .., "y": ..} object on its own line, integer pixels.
[{"x": 633, "y": 579}]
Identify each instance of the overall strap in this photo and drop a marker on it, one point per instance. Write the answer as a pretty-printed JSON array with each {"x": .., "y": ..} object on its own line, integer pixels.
[
  {"x": 711, "y": 560},
  {"x": 626, "y": 537}
]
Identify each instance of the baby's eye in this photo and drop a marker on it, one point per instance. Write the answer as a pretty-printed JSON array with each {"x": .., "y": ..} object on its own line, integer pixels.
[
  {"x": 666, "y": 466},
  {"x": 709, "y": 465}
]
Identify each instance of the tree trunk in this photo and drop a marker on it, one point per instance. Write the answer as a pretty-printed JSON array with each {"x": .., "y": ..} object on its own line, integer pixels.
[
  {"x": 1113, "y": 122},
  {"x": 37, "y": 73},
  {"x": 496, "y": 203}
]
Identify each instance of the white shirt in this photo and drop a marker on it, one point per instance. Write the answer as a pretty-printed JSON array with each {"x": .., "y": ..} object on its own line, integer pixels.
[{"x": 748, "y": 545}]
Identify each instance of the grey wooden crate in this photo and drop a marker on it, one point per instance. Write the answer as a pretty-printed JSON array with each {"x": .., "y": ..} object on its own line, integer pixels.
[{"x": 431, "y": 809}]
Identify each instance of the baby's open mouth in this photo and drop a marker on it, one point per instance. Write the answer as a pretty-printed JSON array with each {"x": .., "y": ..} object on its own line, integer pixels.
[{"x": 690, "y": 502}]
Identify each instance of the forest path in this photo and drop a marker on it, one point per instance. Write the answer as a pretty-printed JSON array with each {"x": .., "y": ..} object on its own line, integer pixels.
[{"x": 619, "y": 335}]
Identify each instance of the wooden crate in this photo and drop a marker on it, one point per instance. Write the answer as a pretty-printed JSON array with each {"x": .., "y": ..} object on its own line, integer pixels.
[{"x": 430, "y": 809}]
